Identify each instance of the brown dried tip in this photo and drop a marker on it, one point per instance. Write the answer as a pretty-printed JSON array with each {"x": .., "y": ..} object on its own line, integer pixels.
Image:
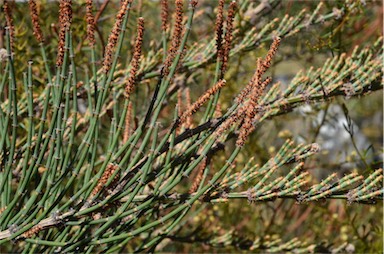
[
  {"x": 136, "y": 58},
  {"x": 35, "y": 21},
  {"x": 9, "y": 20},
  {"x": 65, "y": 19},
  {"x": 90, "y": 23},
  {"x": 176, "y": 37},
  {"x": 127, "y": 128},
  {"x": 199, "y": 176},
  {"x": 219, "y": 29},
  {"x": 104, "y": 178},
  {"x": 112, "y": 39},
  {"x": 204, "y": 98},
  {"x": 228, "y": 37},
  {"x": 164, "y": 15}
]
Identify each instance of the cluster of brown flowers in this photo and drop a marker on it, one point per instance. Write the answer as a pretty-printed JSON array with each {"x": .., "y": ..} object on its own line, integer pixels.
[
  {"x": 65, "y": 19},
  {"x": 176, "y": 37},
  {"x": 35, "y": 21},
  {"x": 90, "y": 23},
  {"x": 248, "y": 98},
  {"x": 113, "y": 37},
  {"x": 9, "y": 20},
  {"x": 203, "y": 99}
]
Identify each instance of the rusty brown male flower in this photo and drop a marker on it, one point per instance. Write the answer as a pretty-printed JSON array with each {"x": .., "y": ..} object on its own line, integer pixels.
[
  {"x": 262, "y": 67},
  {"x": 136, "y": 58},
  {"x": 164, "y": 15},
  {"x": 9, "y": 21},
  {"x": 271, "y": 53},
  {"x": 228, "y": 37},
  {"x": 219, "y": 30},
  {"x": 90, "y": 23},
  {"x": 113, "y": 37},
  {"x": 176, "y": 37},
  {"x": 248, "y": 98},
  {"x": 35, "y": 21},
  {"x": 111, "y": 168},
  {"x": 250, "y": 112},
  {"x": 127, "y": 128},
  {"x": 204, "y": 98},
  {"x": 188, "y": 121},
  {"x": 199, "y": 176},
  {"x": 65, "y": 19}
]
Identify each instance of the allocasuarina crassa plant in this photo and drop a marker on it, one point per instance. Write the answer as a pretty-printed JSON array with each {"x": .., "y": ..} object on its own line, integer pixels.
[{"x": 117, "y": 150}]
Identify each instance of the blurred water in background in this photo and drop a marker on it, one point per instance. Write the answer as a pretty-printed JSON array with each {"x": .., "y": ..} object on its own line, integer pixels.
[{"x": 338, "y": 153}]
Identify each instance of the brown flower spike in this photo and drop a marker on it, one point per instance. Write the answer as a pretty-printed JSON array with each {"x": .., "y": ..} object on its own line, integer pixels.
[
  {"x": 248, "y": 127},
  {"x": 219, "y": 29},
  {"x": 228, "y": 37},
  {"x": 35, "y": 21},
  {"x": 262, "y": 67},
  {"x": 179, "y": 102},
  {"x": 65, "y": 19},
  {"x": 188, "y": 121},
  {"x": 112, "y": 39},
  {"x": 164, "y": 15},
  {"x": 90, "y": 23},
  {"x": 176, "y": 37},
  {"x": 204, "y": 98},
  {"x": 245, "y": 115},
  {"x": 104, "y": 178},
  {"x": 136, "y": 58},
  {"x": 271, "y": 53},
  {"x": 127, "y": 128},
  {"x": 9, "y": 21},
  {"x": 252, "y": 83},
  {"x": 198, "y": 177}
]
